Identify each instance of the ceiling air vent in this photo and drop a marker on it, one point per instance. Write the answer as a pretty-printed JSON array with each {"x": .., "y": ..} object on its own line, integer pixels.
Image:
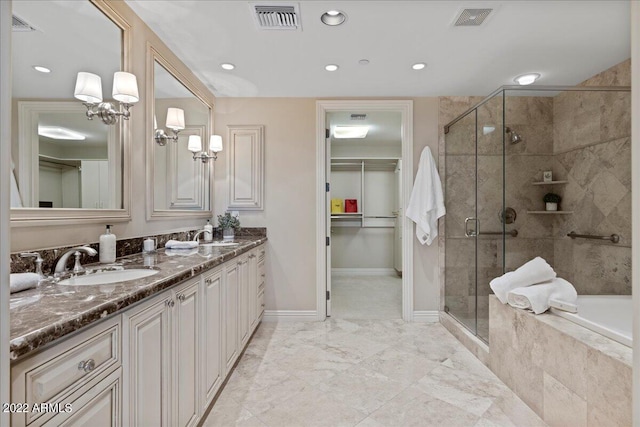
[
  {"x": 358, "y": 116},
  {"x": 277, "y": 16},
  {"x": 19, "y": 24},
  {"x": 472, "y": 17}
]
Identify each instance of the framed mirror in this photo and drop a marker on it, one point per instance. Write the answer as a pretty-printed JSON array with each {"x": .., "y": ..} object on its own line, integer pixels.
[
  {"x": 181, "y": 186},
  {"x": 66, "y": 168}
]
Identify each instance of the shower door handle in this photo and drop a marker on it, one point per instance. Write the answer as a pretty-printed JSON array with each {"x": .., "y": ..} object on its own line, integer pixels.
[{"x": 475, "y": 231}]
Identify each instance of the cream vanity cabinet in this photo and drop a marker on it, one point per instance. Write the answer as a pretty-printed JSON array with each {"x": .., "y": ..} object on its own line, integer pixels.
[
  {"x": 161, "y": 350},
  {"x": 211, "y": 362},
  {"x": 79, "y": 380}
]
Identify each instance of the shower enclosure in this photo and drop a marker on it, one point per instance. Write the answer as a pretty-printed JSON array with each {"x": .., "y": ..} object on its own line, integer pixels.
[{"x": 502, "y": 156}]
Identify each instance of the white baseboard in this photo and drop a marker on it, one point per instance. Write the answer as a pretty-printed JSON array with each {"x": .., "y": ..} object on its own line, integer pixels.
[
  {"x": 290, "y": 316},
  {"x": 426, "y": 316},
  {"x": 364, "y": 272}
]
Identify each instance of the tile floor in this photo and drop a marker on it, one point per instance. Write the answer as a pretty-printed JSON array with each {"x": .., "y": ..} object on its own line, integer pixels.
[
  {"x": 366, "y": 297},
  {"x": 364, "y": 373}
]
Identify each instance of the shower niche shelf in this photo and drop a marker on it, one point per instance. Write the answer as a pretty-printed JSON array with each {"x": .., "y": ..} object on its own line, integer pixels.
[
  {"x": 549, "y": 182},
  {"x": 550, "y": 212}
]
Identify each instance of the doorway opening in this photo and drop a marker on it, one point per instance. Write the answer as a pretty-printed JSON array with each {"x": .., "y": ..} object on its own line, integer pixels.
[{"x": 365, "y": 267}]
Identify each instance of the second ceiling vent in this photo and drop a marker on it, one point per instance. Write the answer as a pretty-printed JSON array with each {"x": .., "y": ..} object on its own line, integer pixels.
[
  {"x": 472, "y": 17},
  {"x": 277, "y": 16}
]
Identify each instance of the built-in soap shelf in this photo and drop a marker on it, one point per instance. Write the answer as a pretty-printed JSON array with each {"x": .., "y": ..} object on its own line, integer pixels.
[
  {"x": 550, "y": 212},
  {"x": 549, "y": 182}
]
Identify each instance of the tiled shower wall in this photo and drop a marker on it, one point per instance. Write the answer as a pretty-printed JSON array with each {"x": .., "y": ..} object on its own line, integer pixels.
[{"x": 592, "y": 150}]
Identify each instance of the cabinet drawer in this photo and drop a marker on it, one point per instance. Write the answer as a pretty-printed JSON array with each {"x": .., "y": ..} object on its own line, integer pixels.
[{"x": 51, "y": 376}]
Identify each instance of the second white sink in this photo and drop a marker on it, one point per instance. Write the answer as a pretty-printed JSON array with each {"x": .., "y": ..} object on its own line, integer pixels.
[{"x": 105, "y": 277}]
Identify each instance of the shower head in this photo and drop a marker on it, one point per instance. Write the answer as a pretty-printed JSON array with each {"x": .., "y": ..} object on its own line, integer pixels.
[{"x": 515, "y": 137}]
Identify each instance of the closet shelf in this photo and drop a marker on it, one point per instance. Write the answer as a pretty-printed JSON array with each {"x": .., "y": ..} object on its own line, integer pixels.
[
  {"x": 550, "y": 212},
  {"x": 549, "y": 182}
]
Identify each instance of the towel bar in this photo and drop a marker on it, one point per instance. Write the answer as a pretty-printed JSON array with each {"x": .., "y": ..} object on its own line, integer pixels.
[{"x": 614, "y": 238}]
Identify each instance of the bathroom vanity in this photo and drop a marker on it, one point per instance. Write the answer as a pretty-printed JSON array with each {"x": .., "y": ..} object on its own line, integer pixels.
[{"x": 150, "y": 351}]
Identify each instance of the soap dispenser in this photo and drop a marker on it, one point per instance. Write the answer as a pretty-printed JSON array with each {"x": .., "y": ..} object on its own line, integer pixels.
[
  {"x": 208, "y": 232},
  {"x": 108, "y": 247}
]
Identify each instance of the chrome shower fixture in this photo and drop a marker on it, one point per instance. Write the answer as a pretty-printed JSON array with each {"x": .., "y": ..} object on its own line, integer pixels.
[{"x": 515, "y": 137}]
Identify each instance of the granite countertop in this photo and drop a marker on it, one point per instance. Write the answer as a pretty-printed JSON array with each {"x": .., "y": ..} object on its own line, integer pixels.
[{"x": 51, "y": 311}]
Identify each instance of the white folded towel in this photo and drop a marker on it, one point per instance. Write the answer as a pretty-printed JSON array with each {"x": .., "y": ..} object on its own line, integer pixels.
[
  {"x": 22, "y": 281},
  {"x": 536, "y": 297},
  {"x": 177, "y": 244},
  {"x": 181, "y": 252},
  {"x": 535, "y": 271}
]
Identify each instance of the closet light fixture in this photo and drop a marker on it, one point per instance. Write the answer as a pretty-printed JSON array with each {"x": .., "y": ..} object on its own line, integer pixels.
[
  {"x": 419, "y": 66},
  {"x": 527, "y": 79},
  {"x": 55, "y": 132},
  {"x": 89, "y": 90},
  {"x": 227, "y": 66},
  {"x": 175, "y": 123},
  {"x": 350, "y": 132},
  {"x": 195, "y": 146}
]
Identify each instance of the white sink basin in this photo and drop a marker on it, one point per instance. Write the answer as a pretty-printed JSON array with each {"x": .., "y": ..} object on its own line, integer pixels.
[
  {"x": 219, "y": 244},
  {"x": 106, "y": 277}
]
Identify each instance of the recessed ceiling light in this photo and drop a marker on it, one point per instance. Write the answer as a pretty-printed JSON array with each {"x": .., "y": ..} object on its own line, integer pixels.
[
  {"x": 363, "y": 62},
  {"x": 349, "y": 132},
  {"x": 333, "y": 18},
  {"x": 331, "y": 67},
  {"x": 56, "y": 132},
  {"x": 419, "y": 66},
  {"x": 41, "y": 69},
  {"x": 227, "y": 66},
  {"x": 527, "y": 79}
]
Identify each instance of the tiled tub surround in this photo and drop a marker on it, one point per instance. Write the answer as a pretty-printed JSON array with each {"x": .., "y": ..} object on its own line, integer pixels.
[
  {"x": 569, "y": 375},
  {"x": 61, "y": 310},
  {"x": 124, "y": 247}
]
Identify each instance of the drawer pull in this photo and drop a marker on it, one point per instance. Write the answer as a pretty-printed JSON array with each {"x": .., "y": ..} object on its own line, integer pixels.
[
  {"x": 87, "y": 366},
  {"x": 208, "y": 281},
  {"x": 262, "y": 305},
  {"x": 181, "y": 297},
  {"x": 170, "y": 303},
  {"x": 263, "y": 275}
]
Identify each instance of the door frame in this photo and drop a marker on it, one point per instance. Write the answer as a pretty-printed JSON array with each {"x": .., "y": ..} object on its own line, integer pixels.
[{"x": 405, "y": 107}]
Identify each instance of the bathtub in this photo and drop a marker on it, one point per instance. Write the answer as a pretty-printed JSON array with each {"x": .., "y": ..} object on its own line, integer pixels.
[{"x": 608, "y": 315}]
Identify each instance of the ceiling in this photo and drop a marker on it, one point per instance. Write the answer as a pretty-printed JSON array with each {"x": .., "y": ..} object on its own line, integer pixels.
[{"x": 565, "y": 41}]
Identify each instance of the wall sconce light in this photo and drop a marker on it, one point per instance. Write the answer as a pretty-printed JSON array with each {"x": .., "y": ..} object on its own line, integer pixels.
[
  {"x": 175, "y": 122},
  {"x": 195, "y": 146},
  {"x": 89, "y": 91}
]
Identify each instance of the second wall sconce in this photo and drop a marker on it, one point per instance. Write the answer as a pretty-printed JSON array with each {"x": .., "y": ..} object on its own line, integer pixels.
[
  {"x": 89, "y": 90},
  {"x": 175, "y": 122},
  {"x": 195, "y": 146}
]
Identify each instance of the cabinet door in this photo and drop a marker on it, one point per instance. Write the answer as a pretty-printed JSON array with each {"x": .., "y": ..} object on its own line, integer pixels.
[
  {"x": 252, "y": 288},
  {"x": 231, "y": 314},
  {"x": 246, "y": 167},
  {"x": 148, "y": 364},
  {"x": 186, "y": 350},
  {"x": 243, "y": 286},
  {"x": 97, "y": 407},
  {"x": 211, "y": 346}
]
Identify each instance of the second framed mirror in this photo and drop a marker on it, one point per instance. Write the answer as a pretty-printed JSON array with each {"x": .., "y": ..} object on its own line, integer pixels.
[{"x": 178, "y": 183}]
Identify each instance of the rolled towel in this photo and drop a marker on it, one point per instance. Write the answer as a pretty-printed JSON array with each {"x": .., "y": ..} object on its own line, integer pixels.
[
  {"x": 181, "y": 252},
  {"x": 22, "y": 281},
  {"x": 535, "y": 271},
  {"x": 536, "y": 297},
  {"x": 177, "y": 244}
]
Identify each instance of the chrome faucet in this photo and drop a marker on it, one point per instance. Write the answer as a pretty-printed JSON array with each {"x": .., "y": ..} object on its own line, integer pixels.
[
  {"x": 38, "y": 262},
  {"x": 61, "y": 265},
  {"x": 198, "y": 233}
]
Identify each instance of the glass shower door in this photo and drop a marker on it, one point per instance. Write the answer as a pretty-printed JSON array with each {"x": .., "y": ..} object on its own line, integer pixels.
[{"x": 461, "y": 221}]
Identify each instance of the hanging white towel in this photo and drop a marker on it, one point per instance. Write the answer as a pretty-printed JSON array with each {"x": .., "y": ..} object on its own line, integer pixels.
[{"x": 426, "y": 204}]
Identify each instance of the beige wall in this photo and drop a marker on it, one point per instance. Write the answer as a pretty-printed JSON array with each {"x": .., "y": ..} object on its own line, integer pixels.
[
  {"x": 290, "y": 179},
  {"x": 37, "y": 237}
]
